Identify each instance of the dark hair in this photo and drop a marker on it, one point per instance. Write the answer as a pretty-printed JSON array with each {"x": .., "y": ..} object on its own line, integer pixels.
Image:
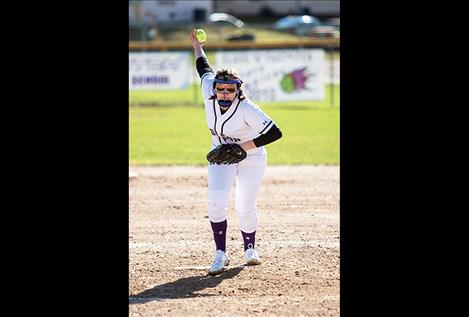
[{"x": 229, "y": 73}]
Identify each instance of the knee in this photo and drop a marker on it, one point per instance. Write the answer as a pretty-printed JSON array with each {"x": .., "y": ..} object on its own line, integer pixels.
[
  {"x": 217, "y": 207},
  {"x": 246, "y": 209}
]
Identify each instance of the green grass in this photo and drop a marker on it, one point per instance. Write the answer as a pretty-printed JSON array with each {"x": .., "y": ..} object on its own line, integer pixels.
[
  {"x": 167, "y": 136},
  {"x": 174, "y": 135},
  {"x": 310, "y": 134}
]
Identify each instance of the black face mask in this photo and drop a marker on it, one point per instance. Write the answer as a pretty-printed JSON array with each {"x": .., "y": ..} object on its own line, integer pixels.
[
  {"x": 225, "y": 102},
  {"x": 226, "y": 80}
]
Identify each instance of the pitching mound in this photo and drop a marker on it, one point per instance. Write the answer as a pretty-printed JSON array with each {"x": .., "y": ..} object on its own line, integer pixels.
[{"x": 171, "y": 246}]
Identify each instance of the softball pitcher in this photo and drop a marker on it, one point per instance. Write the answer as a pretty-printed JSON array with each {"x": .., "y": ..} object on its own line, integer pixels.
[{"x": 240, "y": 130}]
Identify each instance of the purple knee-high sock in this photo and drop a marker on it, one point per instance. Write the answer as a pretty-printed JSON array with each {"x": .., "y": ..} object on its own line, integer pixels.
[
  {"x": 249, "y": 240},
  {"x": 219, "y": 234}
]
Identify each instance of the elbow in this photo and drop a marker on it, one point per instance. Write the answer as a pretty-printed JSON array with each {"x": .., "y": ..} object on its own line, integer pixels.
[{"x": 279, "y": 134}]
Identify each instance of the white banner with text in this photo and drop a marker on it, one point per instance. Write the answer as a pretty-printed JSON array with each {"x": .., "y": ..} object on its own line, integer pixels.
[
  {"x": 278, "y": 75},
  {"x": 156, "y": 70}
]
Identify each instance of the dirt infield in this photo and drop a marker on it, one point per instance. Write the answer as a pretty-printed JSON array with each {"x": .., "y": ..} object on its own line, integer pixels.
[{"x": 171, "y": 246}]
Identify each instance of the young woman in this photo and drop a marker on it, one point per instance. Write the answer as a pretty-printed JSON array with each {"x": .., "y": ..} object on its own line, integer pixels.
[{"x": 233, "y": 118}]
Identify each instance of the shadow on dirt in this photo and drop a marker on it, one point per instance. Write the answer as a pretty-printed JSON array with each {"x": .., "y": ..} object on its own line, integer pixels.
[{"x": 183, "y": 288}]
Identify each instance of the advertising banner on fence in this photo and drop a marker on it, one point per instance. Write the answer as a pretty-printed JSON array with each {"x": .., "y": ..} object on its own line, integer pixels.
[
  {"x": 154, "y": 71},
  {"x": 278, "y": 75}
]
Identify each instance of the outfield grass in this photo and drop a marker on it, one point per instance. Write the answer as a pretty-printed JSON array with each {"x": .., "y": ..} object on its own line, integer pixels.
[{"x": 173, "y": 135}]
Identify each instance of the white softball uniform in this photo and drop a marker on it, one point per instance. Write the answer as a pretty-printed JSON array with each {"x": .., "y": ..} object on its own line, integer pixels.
[{"x": 243, "y": 121}]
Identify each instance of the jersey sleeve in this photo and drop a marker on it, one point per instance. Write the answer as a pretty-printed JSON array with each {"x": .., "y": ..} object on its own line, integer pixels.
[
  {"x": 207, "y": 84},
  {"x": 256, "y": 118}
]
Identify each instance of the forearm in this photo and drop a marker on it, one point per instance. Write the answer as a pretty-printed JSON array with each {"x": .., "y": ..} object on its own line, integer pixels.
[
  {"x": 203, "y": 66},
  {"x": 272, "y": 135},
  {"x": 199, "y": 52},
  {"x": 248, "y": 145}
]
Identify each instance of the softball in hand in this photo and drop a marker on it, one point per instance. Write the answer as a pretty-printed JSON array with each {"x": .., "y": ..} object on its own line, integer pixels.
[{"x": 201, "y": 35}]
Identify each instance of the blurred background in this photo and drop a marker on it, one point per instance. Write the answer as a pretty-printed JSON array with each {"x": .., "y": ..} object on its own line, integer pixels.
[
  {"x": 259, "y": 21},
  {"x": 287, "y": 52}
]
